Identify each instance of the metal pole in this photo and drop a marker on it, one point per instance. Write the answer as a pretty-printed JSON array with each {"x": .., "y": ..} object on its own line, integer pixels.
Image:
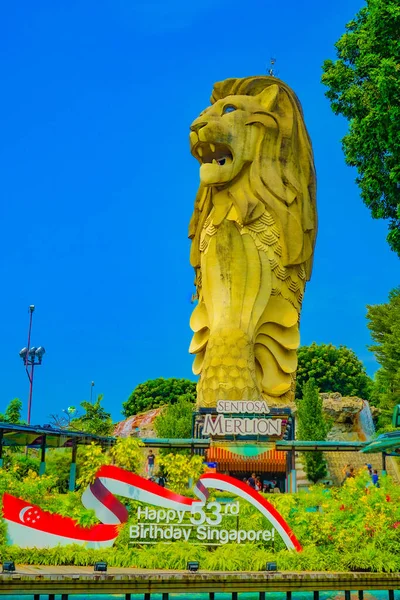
[
  {"x": 72, "y": 469},
  {"x": 91, "y": 392},
  {"x": 42, "y": 468},
  {"x": 31, "y": 309},
  {"x": 294, "y": 474},
  {"x": 30, "y": 392},
  {"x": 383, "y": 463}
]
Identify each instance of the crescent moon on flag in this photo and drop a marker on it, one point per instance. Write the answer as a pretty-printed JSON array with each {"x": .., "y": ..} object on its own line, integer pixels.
[{"x": 23, "y": 511}]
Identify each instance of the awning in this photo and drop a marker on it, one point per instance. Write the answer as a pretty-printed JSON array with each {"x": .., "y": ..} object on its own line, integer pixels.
[{"x": 272, "y": 461}]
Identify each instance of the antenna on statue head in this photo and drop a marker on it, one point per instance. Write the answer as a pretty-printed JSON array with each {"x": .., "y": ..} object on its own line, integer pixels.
[{"x": 271, "y": 71}]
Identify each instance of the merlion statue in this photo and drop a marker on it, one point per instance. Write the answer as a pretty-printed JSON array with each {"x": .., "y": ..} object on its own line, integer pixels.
[{"x": 253, "y": 233}]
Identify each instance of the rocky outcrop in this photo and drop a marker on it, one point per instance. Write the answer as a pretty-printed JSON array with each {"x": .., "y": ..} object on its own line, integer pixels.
[{"x": 344, "y": 414}]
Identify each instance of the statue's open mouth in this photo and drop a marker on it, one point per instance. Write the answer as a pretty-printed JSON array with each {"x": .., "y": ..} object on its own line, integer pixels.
[{"x": 217, "y": 154}]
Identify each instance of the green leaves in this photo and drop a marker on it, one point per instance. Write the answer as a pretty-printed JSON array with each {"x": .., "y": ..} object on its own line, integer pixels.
[
  {"x": 311, "y": 425},
  {"x": 13, "y": 412},
  {"x": 179, "y": 468},
  {"x": 95, "y": 419},
  {"x": 384, "y": 324},
  {"x": 156, "y": 392},
  {"x": 175, "y": 421},
  {"x": 356, "y": 528},
  {"x": 333, "y": 369},
  {"x": 364, "y": 86}
]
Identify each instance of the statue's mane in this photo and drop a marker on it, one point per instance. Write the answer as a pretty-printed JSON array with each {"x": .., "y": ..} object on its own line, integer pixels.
[{"x": 282, "y": 175}]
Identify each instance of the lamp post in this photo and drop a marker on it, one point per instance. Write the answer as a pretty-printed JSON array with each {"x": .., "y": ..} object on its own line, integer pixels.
[
  {"x": 91, "y": 392},
  {"x": 32, "y": 357}
]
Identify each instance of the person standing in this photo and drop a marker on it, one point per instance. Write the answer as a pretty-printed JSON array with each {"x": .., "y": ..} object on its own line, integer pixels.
[
  {"x": 150, "y": 464},
  {"x": 375, "y": 478},
  {"x": 252, "y": 481}
]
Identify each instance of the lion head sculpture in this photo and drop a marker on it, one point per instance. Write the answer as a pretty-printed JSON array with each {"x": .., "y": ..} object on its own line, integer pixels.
[{"x": 254, "y": 131}]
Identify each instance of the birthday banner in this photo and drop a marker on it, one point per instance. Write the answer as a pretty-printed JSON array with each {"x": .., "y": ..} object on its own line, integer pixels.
[{"x": 29, "y": 526}]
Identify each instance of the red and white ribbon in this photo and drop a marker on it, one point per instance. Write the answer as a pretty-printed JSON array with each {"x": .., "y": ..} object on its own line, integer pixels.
[{"x": 30, "y": 526}]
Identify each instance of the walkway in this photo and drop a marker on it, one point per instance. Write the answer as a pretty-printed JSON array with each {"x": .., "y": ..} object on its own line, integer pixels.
[{"x": 75, "y": 580}]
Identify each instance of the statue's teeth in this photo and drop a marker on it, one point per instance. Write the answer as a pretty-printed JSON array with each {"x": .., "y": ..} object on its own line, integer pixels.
[
  {"x": 200, "y": 152},
  {"x": 214, "y": 162},
  {"x": 212, "y": 147}
]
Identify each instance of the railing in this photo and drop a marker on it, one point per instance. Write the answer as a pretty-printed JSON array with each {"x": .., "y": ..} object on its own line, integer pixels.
[{"x": 47, "y": 582}]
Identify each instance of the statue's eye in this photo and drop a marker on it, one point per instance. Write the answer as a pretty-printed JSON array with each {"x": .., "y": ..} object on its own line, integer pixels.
[{"x": 228, "y": 108}]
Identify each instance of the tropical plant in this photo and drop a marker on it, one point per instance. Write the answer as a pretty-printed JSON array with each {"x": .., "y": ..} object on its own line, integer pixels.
[
  {"x": 363, "y": 86},
  {"x": 13, "y": 412},
  {"x": 355, "y": 527},
  {"x": 312, "y": 425},
  {"x": 179, "y": 469},
  {"x": 333, "y": 369},
  {"x": 384, "y": 324},
  {"x": 58, "y": 463},
  {"x": 156, "y": 392},
  {"x": 127, "y": 453},
  {"x": 175, "y": 420},
  {"x": 91, "y": 458},
  {"x": 95, "y": 419}
]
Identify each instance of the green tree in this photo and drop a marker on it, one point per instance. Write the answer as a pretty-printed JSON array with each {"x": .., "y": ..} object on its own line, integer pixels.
[
  {"x": 363, "y": 86},
  {"x": 127, "y": 454},
  {"x": 156, "y": 392},
  {"x": 312, "y": 426},
  {"x": 333, "y": 369},
  {"x": 175, "y": 420},
  {"x": 13, "y": 412},
  {"x": 180, "y": 469},
  {"x": 384, "y": 325},
  {"x": 95, "y": 418},
  {"x": 90, "y": 459}
]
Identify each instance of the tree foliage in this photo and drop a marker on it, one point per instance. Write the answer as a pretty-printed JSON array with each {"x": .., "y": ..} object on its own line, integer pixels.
[
  {"x": 179, "y": 469},
  {"x": 364, "y": 86},
  {"x": 175, "y": 421},
  {"x": 127, "y": 454},
  {"x": 92, "y": 457},
  {"x": 333, "y": 369},
  {"x": 312, "y": 426},
  {"x": 13, "y": 412},
  {"x": 384, "y": 324},
  {"x": 95, "y": 419},
  {"x": 156, "y": 392}
]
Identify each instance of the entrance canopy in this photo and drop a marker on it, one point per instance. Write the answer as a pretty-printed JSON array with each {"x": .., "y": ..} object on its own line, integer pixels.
[{"x": 271, "y": 461}]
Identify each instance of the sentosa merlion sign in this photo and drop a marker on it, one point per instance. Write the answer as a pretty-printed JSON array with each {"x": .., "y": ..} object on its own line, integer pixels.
[{"x": 224, "y": 423}]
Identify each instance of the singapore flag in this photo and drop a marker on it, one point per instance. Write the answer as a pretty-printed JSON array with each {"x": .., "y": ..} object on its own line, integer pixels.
[{"x": 29, "y": 526}]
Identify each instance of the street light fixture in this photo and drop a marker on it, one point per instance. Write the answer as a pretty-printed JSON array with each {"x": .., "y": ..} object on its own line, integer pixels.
[{"x": 32, "y": 357}]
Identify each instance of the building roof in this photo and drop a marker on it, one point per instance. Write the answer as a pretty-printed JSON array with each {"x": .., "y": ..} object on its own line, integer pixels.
[{"x": 33, "y": 435}]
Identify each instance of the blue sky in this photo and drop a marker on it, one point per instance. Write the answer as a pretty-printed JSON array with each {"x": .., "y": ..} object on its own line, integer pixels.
[{"x": 98, "y": 184}]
